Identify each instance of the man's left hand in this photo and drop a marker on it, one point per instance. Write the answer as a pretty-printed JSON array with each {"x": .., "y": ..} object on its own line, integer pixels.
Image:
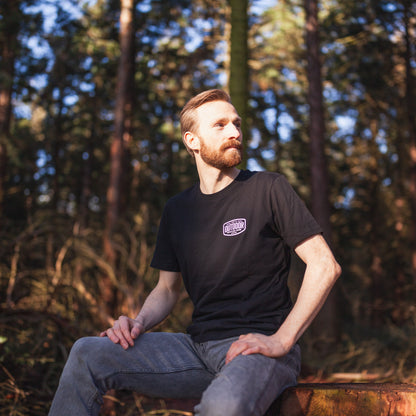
[{"x": 269, "y": 346}]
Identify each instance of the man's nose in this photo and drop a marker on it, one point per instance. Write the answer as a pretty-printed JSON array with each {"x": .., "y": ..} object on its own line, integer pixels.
[{"x": 233, "y": 131}]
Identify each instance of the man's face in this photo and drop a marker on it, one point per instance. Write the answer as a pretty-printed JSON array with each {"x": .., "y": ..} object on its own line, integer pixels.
[{"x": 219, "y": 133}]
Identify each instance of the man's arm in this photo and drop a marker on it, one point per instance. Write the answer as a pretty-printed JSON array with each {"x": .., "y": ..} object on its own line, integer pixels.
[
  {"x": 156, "y": 308},
  {"x": 321, "y": 273}
]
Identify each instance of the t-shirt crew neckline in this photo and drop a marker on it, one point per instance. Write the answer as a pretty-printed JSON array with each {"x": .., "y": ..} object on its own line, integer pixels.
[{"x": 241, "y": 175}]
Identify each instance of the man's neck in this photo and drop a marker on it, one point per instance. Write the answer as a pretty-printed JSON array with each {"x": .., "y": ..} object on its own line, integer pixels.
[{"x": 213, "y": 180}]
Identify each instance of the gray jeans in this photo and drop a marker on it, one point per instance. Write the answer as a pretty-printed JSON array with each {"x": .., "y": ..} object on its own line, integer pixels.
[{"x": 170, "y": 365}]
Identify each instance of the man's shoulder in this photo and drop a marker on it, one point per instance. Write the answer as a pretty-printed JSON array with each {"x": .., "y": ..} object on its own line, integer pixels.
[
  {"x": 258, "y": 177},
  {"x": 181, "y": 197}
]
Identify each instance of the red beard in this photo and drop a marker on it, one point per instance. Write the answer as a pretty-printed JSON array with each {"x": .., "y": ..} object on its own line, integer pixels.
[{"x": 223, "y": 158}]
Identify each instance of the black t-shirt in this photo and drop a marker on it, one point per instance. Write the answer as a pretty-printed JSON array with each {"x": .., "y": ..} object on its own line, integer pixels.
[{"x": 233, "y": 251}]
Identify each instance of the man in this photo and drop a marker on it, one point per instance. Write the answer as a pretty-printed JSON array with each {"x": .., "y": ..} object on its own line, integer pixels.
[{"x": 229, "y": 238}]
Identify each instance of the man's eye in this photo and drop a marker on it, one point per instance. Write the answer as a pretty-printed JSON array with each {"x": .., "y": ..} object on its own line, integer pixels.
[{"x": 219, "y": 124}]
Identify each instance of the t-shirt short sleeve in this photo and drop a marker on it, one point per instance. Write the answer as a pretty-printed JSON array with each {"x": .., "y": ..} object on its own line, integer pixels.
[{"x": 292, "y": 219}]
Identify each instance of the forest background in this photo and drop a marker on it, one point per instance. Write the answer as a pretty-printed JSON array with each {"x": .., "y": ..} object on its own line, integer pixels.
[{"x": 90, "y": 150}]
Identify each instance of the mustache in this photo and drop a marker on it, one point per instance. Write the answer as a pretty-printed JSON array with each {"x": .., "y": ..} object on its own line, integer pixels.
[{"x": 234, "y": 143}]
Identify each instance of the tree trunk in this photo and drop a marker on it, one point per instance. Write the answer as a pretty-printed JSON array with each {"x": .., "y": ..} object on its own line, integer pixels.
[
  {"x": 8, "y": 46},
  {"x": 411, "y": 116},
  {"x": 239, "y": 77},
  {"x": 358, "y": 399},
  {"x": 122, "y": 134},
  {"x": 320, "y": 205}
]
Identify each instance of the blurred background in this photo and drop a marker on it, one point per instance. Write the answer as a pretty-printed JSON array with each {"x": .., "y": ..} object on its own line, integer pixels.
[{"x": 90, "y": 150}]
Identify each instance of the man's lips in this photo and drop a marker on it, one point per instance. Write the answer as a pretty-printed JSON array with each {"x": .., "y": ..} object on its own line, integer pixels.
[{"x": 232, "y": 144}]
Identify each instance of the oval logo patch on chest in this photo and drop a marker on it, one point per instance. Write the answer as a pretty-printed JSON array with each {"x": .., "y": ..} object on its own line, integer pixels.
[{"x": 234, "y": 227}]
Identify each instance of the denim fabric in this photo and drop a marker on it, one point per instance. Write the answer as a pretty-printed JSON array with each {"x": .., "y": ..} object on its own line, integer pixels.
[{"x": 170, "y": 365}]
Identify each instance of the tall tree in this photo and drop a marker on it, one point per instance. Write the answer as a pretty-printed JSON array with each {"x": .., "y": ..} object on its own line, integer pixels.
[
  {"x": 9, "y": 29},
  {"x": 122, "y": 131},
  {"x": 410, "y": 81},
  {"x": 122, "y": 122},
  {"x": 239, "y": 75},
  {"x": 320, "y": 204},
  {"x": 319, "y": 171}
]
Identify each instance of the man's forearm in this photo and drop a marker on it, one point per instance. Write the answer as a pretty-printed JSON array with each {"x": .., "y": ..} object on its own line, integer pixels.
[
  {"x": 158, "y": 304},
  {"x": 318, "y": 281},
  {"x": 156, "y": 308}
]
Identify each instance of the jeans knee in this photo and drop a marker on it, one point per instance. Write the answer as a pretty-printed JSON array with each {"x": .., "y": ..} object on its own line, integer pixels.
[
  {"x": 222, "y": 405},
  {"x": 82, "y": 348},
  {"x": 81, "y": 358}
]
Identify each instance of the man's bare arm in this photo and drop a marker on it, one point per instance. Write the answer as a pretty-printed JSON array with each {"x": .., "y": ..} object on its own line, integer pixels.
[
  {"x": 156, "y": 308},
  {"x": 321, "y": 273}
]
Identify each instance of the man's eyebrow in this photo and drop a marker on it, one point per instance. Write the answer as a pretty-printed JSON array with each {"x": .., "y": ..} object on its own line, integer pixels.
[
  {"x": 220, "y": 120},
  {"x": 226, "y": 119}
]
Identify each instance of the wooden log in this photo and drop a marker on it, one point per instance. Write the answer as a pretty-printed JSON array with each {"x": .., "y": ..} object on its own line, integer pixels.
[
  {"x": 334, "y": 399},
  {"x": 355, "y": 399}
]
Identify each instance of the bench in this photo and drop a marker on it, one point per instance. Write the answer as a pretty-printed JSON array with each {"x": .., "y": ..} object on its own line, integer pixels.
[{"x": 336, "y": 399}]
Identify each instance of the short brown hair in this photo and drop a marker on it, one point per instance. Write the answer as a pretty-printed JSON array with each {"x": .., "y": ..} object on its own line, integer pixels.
[{"x": 187, "y": 116}]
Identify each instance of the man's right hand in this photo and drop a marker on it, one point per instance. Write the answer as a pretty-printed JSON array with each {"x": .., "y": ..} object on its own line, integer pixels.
[{"x": 124, "y": 331}]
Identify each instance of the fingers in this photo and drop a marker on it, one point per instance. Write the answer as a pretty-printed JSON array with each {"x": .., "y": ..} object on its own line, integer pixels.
[
  {"x": 136, "y": 330},
  {"x": 121, "y": 330},
  {"x": 245, "y": 345},
  {"x": 237, "y": 348},
  {"x": 124, "y": 331}
]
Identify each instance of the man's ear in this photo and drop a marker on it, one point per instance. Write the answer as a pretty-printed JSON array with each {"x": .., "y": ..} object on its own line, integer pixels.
[{"x": 191, "y": 141}]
